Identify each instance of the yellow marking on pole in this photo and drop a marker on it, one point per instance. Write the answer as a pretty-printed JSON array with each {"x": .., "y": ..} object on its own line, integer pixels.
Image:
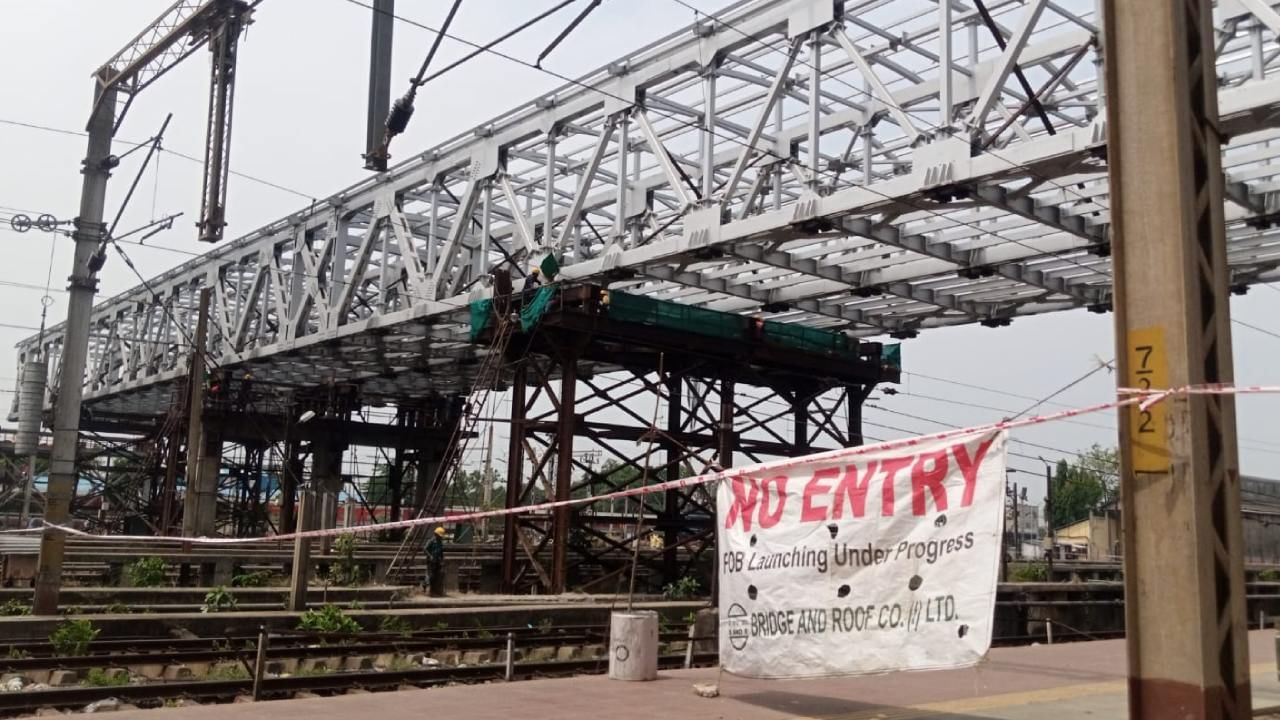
[{"x": 1148, "y": 369}]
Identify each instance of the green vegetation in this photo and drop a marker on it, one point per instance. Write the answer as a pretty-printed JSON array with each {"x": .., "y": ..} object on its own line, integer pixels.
[
  {"x": 344, "y": 570},
  {"x": 1085, "y": 486},
  {"x": 1030, "y": 572},
  {"x": 118, "y": 608},
  {"x": 686, "y": 588},
  {"x": 97, "y": 677},
  {"x": 313, "y": 671},
  {"x": 16, "y": 653},
  {"x": 1271, "y": 575},
  {"x": 147, "y": 572},
  {"x": 328, "y": 619},
  {"x": 257, "y": 578},
  {"x": 545, "y": 625},
  {"x": 395, "y": 624},
  {"x": 218, "y": 600},
  {"x": 13, "y": 607},
  {"x": 72, "y": 637}
]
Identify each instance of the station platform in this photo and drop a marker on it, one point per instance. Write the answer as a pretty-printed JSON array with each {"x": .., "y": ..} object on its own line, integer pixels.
[{"x": 1070, "y": 681}]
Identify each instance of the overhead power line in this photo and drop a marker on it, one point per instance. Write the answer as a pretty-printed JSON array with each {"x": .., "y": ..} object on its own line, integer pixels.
[{"x": 184, "y": 156}]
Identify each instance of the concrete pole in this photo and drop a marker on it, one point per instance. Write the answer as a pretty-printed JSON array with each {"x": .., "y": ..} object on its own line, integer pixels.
[
  {"x": 301, "y": 552},
  {"x": 66, "y": 412},
  {"x": 196, "y": 520},
  {"x": 25, "y": 518},
  {"x": 487, "y": 483},
  {"x": 1180, "y": 486}
]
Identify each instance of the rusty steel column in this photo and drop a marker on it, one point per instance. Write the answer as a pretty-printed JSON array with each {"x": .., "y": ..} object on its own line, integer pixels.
[
  {"x": 856, "y": 394},
  {"x": 727, "y": 438},
  {"x": 671, "y": 498},
  {"x": 1180, "y": 486},
  {"x": 566, "y": 428},
  {"x": 515, "y": 477}
]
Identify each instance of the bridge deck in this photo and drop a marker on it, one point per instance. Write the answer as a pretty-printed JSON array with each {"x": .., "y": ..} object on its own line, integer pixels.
[{"x": 1079, "y": 680}]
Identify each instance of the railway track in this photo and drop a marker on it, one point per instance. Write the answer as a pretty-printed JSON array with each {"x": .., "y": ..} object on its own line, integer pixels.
[
  {"x": 246, "y": 652},
  {"x": 155, "y": 694}
]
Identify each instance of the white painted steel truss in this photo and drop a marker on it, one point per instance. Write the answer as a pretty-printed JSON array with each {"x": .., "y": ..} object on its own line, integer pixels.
[{"x": 876, "y": 170}]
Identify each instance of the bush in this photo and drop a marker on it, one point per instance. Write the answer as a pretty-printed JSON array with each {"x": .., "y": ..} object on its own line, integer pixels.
[
  {"x": 72, "y": 637},
  {"x": 1030, "y": 572},
  {"x": 1271, "y": 575},
  {"x": 13, "y": 607},
  {"x": 686, "y": 588},
  {"x": 118, "y": 608},
  {"x": 97, "y": 677},
  {"x": 147, "y": 572},
  {"x": 328, "y": 619},
  {"x": 395, "y": 624},
  {"x": 257, "y": 578},
  {"x": 344, "y": 570},
  {"x": 218, "y": 600}
]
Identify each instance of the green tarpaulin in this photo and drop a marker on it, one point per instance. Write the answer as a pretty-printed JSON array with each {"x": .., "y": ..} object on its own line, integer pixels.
[
  {"x": 536, "y": 307},
  {"x": 891, "y": 356},
  {"x": 549, "y": 267},
  {"x": 480, "y": 312}
]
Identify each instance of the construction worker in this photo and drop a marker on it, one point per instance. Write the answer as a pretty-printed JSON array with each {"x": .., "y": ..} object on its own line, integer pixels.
[
  {"x": 532, "y": 280},
  {"x": 435, "y": 563}
]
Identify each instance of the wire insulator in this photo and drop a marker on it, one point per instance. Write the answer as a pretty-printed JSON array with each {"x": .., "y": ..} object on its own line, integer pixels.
[{"x": 398, "y": 118}]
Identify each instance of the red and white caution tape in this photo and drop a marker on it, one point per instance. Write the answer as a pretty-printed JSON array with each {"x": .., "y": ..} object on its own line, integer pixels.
[
  {"x": 1149, "y": 397},
  {"x": 1130, "y": 396}
]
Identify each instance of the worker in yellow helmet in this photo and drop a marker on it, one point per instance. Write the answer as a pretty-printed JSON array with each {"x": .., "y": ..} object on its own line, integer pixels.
[{"x": 435, "y": 563}]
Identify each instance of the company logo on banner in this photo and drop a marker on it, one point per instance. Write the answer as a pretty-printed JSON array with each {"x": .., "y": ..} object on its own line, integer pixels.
[{"x": 868, "y": 562}]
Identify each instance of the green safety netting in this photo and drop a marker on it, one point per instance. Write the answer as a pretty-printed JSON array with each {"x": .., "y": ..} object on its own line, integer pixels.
[
  {"x": 808, "y": 339},
  {"x": 625, "y": 307}
]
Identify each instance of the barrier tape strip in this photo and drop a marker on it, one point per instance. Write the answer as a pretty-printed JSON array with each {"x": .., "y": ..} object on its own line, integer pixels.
[{"x": 1134, "y": 396}]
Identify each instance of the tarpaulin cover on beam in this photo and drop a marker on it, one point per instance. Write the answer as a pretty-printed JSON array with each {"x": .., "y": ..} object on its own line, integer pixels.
[{"x": 865, "y": 562}]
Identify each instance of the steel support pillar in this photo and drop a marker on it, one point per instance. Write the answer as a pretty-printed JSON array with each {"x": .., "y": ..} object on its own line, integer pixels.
[
  {"x": 565, "y": 431},
  {"x": 66, "y": 412},
  {"x": 1184, "y": 575},
  {"x": 857, "y": 395},
  {"x": 671, "y": 500},
  {"x": 290, "y": 482},
  {"x": 726, "y": 437},
  {"x": 515, "y": 476}
]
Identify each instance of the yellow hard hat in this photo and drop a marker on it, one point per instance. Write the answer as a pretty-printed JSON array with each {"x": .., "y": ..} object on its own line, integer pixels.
[
  {"x": 440, "y": 531},
  {"x": 535, "y": 269}
]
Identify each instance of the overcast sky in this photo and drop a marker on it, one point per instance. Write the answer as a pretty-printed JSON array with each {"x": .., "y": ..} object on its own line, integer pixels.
[{"x": 299, "y": 124}]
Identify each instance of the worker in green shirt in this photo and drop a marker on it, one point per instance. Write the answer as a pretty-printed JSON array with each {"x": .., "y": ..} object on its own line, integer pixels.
[{"x": 435, "y": 563}]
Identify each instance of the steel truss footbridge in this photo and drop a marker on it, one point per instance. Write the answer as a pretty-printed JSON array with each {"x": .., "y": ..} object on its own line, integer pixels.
[{"x": 876, "y": 166}]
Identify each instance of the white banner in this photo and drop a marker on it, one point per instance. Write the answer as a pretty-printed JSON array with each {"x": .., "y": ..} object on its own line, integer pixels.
[{"x": 862, "y": 562}]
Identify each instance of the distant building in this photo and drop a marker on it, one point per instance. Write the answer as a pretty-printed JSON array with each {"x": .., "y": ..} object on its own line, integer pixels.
[{"x": 1097, "y": 537}]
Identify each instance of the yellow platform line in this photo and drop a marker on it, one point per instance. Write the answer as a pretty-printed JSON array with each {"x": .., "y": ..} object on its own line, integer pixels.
[{"x": 1003, "y": 700}]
